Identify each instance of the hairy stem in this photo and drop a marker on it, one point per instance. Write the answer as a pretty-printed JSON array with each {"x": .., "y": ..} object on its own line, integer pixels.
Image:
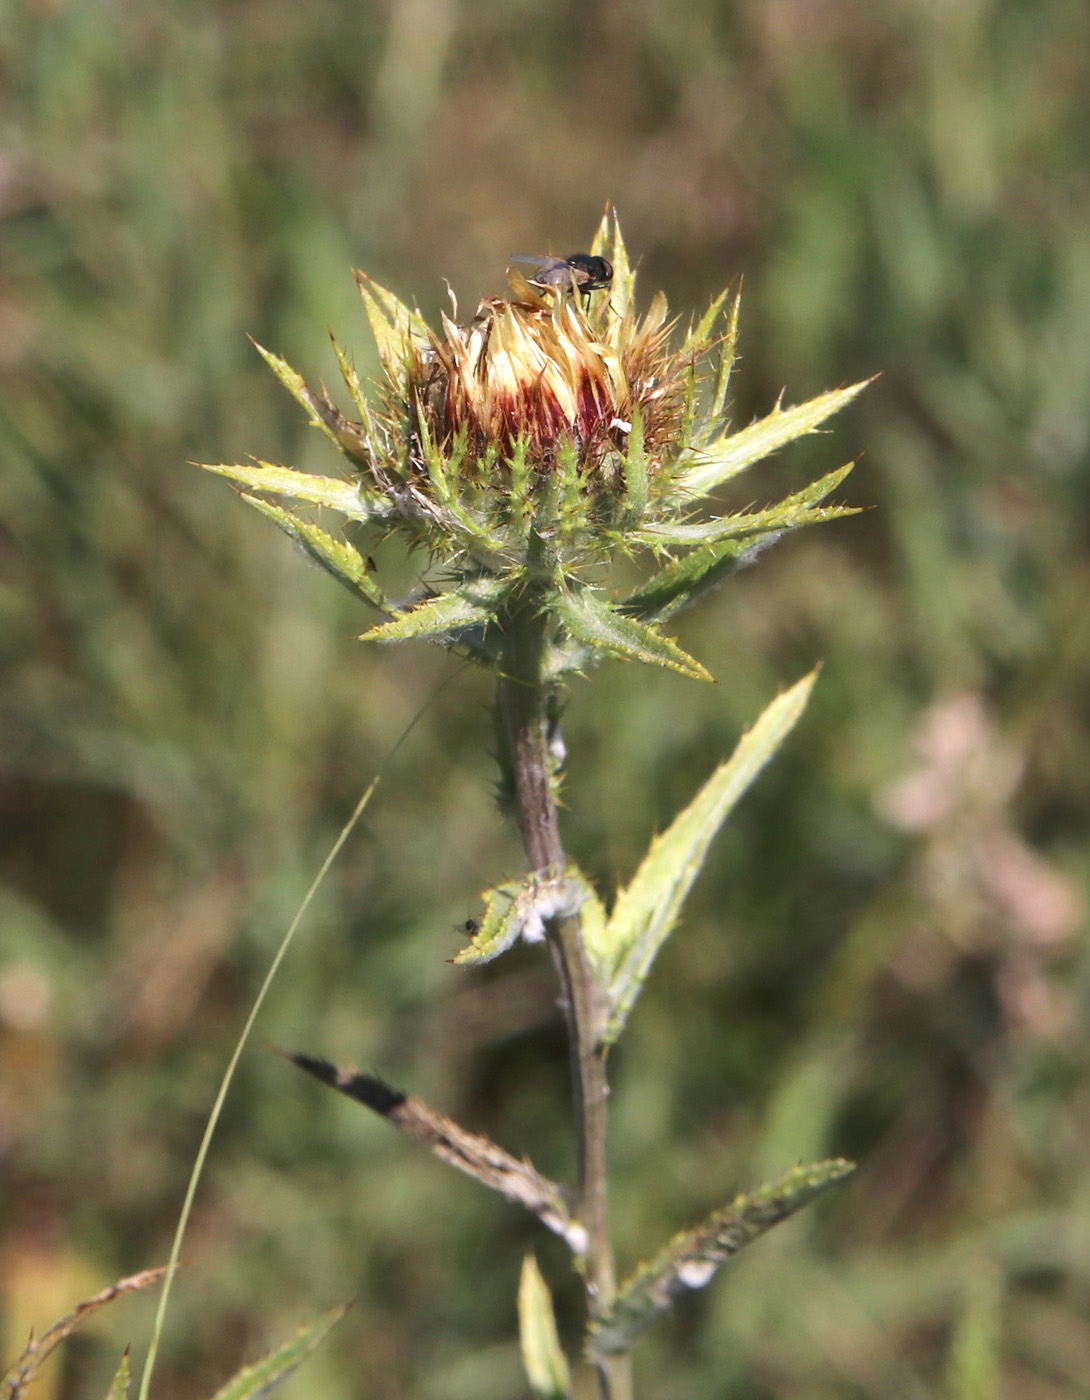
[{"x": 523, "y": 699}]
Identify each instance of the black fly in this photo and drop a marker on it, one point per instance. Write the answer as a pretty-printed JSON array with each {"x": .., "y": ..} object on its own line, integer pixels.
[{"x": 581, "y": 271}]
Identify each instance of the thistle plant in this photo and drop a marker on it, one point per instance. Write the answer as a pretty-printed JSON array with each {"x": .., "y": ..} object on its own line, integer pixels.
[{"x": 525, "y": 454}]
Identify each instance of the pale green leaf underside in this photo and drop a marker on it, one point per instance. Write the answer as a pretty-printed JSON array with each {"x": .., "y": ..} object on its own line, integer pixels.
[
  {"x": 256, "y": 1380},
  {"x": 647, "y": 910},
  {"x": 594, "y": 623},
  {"x": 341, "y": 495},
  {"x": 119, "y": 1386},
  {"x": 545, "y": 1363},
  {"x": 725, "y": 457},
  {"x": 337, "y": 557},
  {"x": 691, "y": 1259}
]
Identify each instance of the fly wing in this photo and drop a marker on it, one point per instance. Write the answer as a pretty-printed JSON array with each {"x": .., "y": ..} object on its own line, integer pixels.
[
  {"x": 536, "y": 260},
  {"x": 548, "y": 272}
]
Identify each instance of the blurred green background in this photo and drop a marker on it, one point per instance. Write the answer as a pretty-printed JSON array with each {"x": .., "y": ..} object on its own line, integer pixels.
[{"x": 885, "y": 957}]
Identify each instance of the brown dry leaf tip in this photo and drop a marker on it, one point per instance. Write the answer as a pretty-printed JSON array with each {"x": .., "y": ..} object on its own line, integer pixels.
[{"x": 545, "y": 371}]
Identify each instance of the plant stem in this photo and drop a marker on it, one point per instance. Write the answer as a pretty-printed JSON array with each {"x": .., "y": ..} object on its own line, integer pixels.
[{"x": 523, "y": 698}]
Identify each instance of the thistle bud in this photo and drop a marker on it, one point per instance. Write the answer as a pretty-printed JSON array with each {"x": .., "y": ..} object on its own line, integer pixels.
[{"x": 553, "y": 432}]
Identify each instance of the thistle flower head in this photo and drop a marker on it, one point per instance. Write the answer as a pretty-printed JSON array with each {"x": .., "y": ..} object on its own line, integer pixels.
[
  {"x": 540, "y": 375},
  {"x": 523, "y": 450}
]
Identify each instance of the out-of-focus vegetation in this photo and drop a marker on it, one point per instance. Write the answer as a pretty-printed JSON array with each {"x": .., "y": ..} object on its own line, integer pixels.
[{"x": 887, "y": 958}]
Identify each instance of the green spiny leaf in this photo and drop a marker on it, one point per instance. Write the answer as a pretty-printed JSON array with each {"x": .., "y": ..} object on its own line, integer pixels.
[
  {"x": 352, "y": 382},
  {"x": 691, "y": 1259},
  {"x": 609, "y": 243},
  {"x": 297, "y": 387},
  {"x": 699, "y": 420},
  {"x": 571, "y": 485},
  {"x": 635, "y": 471},
  {"x": 346, "y": 496},
  {"x": 594, "y": 623},
  {"x": 337, "y": 557},
  {"x": 686, "y": 579},
  {"x": 352, "y": 438},
  {"x": 700, "y": 335},
  {"x": 445, "y": 617},
  {"x": 260, "y": 1378},
  {"x": 567, "y": 657},
  {"x": 395, "y": 327},
  {"x": 449, "y": 491},
  {"x": 119, "y": 1386},
  {"x": 730, "y": 454},
  {"x": 647, "y": 910},
  {"x": 545, "y": 1363},
  {"x": 758, "y": 522},
  {"x": 791, "y": 513},
  {"x": 726, "y": 361},
  {"x": 738, "y": 540}
]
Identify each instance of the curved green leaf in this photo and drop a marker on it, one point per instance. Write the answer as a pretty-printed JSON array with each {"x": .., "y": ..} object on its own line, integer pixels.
[
  {"x": 395, "y": 326},
  {"x": 545, "y": 1363},
  {"x": 119, "y": 1386},
  {"x": 647, "y": 910},
  {"x": 685, "y": 579},
  {"x": 297, "y": 387},
  {"x": 726, "y": 363},
  {"x": 346, "y": 496},
  {"x": 337, "y": 557},
  {"x": 446, "y": 616},
  {"x": 726, "y": 545},
  {"x": 353, "y": 385},
  {"x": 789, "y": 514},
  {"x": 691, "y": 1259},
  {"x": 700, "y": 335},
  {"x": 730, "y": 454},
  {"x": 260, "y": 1378}
]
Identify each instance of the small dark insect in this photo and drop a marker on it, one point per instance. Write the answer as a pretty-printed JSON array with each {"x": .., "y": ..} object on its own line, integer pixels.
[{"x": 580, "y": 270}]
